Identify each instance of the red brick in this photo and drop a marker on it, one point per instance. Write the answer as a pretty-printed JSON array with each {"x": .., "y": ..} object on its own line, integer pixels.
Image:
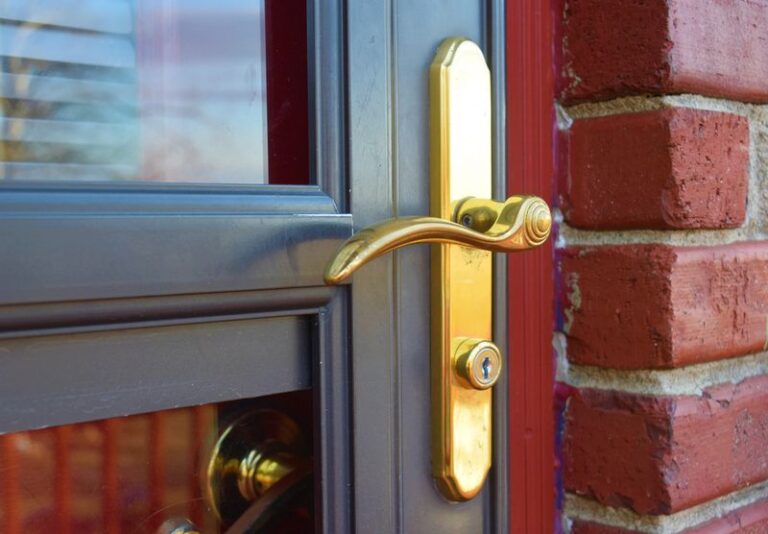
[
  {"x": 613, "y": 48},
  {"x": 751, "y": 519},
  {"x": 658, "y": 306},
  {"x": 660, "y": 455},
  {"x": 588, "y": 527},
  {"x": 665, "y": 169}
]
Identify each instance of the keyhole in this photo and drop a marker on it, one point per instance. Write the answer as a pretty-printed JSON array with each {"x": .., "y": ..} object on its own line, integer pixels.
[{"x": 486, "y": 368}]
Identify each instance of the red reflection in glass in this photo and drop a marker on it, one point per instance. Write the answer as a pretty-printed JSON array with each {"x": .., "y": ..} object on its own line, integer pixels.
[
  {"x": 137, "y": 474},
  {"x": 118, "y": 475}
]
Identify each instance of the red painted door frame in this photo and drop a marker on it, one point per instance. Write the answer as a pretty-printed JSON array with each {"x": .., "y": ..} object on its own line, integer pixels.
[{"x": 530, "y": 164}]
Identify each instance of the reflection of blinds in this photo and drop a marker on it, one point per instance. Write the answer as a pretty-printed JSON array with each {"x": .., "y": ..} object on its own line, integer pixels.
[{"x": 67, "y": 90}]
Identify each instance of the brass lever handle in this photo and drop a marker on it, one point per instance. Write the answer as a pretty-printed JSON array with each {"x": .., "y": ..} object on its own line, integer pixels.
[{"x": 519, "y": 223}]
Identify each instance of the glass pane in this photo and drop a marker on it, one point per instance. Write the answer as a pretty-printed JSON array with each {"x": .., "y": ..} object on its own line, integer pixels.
[
  {"x": 142, "y": 474},
  {"x": 154, "y": 90}
]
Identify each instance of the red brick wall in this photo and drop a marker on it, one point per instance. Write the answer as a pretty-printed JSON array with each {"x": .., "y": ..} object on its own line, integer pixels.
[{"x": 663, "y": 265}]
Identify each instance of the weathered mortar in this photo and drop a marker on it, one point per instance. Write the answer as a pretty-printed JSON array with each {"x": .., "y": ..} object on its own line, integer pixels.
[
  {"x": 690, "y": 380},
  {"x": 581, "y": 508}
]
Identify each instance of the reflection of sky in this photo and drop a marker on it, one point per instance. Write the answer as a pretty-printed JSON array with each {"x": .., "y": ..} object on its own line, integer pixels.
[
  {"x": 218, "y": 130},
  {"x": 184, "y": 78},
  {"x": 202, "y": 91},
  {"x": 221, "y": 5}
]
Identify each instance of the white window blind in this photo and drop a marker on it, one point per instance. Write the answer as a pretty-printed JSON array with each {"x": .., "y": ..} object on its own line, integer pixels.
[{"x": 68, "y": 90}]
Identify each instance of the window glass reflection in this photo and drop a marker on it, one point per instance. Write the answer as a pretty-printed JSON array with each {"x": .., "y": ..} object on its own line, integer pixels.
[
  {"x": 158, "y": 90},
  {"x": 118, "y": 475},
  {"x": 149, "y": 473}
]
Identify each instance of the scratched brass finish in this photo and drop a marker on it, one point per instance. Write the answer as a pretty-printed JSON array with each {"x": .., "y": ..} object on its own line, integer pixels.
[
  {"x": 460, "y": 170},
  {"x": 466, "y": 227},
  {"x": 251, "y": 457}
]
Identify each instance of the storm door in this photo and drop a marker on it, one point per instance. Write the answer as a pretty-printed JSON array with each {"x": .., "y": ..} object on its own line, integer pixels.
[{"x": 174, "y": 177}]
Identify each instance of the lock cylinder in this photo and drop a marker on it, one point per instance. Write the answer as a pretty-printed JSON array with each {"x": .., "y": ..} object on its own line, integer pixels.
[{"x": 478, "y": 363}]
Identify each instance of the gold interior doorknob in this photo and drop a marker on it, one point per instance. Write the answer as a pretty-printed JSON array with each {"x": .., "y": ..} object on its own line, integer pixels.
[
  {"x": 466, "y": 226},
  {"x": 258, "y": 462}
]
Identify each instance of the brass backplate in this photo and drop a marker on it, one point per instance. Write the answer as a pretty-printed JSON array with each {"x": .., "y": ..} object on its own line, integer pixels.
[{"x": 461, "y": 293}]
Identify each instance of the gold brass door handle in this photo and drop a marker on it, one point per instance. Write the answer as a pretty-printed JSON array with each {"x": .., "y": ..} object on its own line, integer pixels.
[
  {"x": 520, "y": 223},
  {"x": 258, "y": 469},
  {"x": 466, "y": 227},
  {"x": 258, "y": 462}
]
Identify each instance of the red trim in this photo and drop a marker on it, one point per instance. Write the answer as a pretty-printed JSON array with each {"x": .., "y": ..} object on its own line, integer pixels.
[
  {"x": 287, "y": 97},
  {"x": 530, "y": 129}
]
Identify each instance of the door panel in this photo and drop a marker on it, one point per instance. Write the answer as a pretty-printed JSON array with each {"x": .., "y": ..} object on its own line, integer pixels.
[
  {"x": 118, "y": 299},
  {"x": 116, "y": 244},
  {"x": 391, "y": 45},
  {"x": 73, "y": 377},
  {"x": 128, "y": 298}
]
